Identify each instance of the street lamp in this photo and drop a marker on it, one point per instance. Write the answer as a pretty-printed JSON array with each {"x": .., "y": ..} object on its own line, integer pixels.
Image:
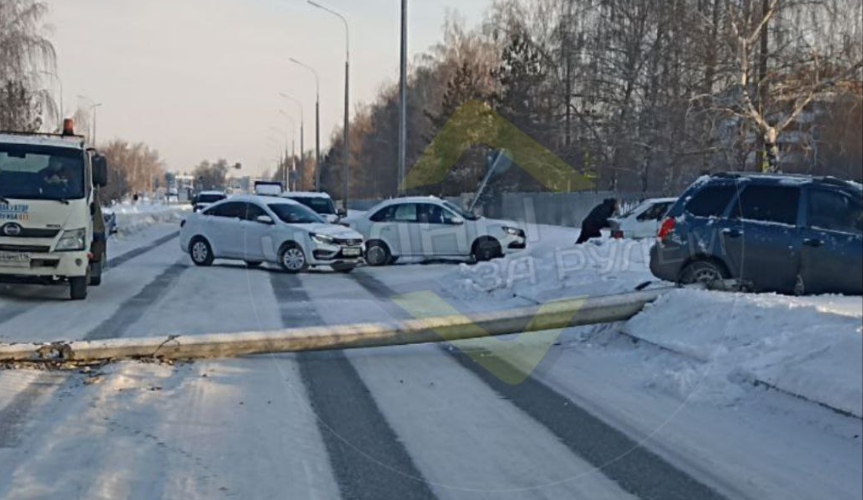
[
  {"x": 93, "y": 108},
  {"x": 344, "y": 20},
  {"x": 302, "y": 129},
  {"x": 403, "y": 101},
  {"x": 317, "y": 121},
  {"x": 281, "y": 132}
]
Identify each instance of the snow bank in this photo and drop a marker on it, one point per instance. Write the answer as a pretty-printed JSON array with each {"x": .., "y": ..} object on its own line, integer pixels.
[
  {"x": 133, "y": 218},
  {"x": 810, "y": 347},
  {"x": 554, "y": 267}
]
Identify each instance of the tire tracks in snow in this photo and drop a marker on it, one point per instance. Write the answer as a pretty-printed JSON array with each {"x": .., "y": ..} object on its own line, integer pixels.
[
  {"x": 367, "y": 457},
  {"x": 11, "y": 312},
  {"x": 619, "y": 457},
  {"x": 17, "y": 411}
]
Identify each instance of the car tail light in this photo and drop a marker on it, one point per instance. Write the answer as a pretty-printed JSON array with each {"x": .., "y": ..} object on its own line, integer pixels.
[
  {"x": 666, "y": 228},
  {"x": 617, "y": 234}
]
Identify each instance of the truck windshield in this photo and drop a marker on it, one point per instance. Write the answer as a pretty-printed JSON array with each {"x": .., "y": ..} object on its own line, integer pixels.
[{"x": 41, "y": 172}]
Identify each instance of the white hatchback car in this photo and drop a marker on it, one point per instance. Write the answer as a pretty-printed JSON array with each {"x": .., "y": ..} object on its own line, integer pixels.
[
  {"x": 431, "y": 227},
  {"x": 258, "y": 229},
  {"x": 642, "y": 221}
]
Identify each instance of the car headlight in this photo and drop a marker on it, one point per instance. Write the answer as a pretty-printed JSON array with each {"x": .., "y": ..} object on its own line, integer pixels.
[
  {"x": 74, "y": 240},
  {"x": 513, "y": 231},
  {"x": 321, "y": 239}
]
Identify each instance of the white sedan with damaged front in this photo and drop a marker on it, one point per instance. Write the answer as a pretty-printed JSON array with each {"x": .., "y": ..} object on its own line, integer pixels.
[
  {"x": 258, "y": 229},
  {"x": 429, "y": 227}
]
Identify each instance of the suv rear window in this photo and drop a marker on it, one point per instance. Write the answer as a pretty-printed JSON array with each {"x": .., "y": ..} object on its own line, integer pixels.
[
  {"x": 711, "y": 201},
  {"x": 768, "y": 204}
]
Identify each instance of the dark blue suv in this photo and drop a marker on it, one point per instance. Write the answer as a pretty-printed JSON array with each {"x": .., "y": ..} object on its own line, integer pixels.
[{"x": 784, "y": 233}]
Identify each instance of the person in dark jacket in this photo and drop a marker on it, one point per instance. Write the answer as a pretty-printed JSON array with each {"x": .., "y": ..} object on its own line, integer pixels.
[{"x": 597, "y": 220}]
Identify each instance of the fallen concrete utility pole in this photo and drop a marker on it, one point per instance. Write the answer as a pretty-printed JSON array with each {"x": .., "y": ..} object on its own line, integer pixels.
[{"x": 554, "y": 315}]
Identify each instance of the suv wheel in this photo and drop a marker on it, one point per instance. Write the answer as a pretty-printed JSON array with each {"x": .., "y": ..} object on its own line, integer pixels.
[{"x": 702, "y": 272}]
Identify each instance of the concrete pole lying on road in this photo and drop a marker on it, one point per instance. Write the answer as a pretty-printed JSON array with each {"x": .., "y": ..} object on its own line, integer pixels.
[{"x": 555, "y": 315}]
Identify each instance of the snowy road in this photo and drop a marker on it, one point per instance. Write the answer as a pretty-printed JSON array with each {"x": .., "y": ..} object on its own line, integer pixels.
[{"x": 593, "y": 421}]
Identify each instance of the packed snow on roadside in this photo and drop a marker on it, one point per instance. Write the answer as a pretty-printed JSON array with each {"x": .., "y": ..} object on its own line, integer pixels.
[
  {"x": 811, "y": 347},
  {"x": 135, "y": 217},
  {"x": 554, "y": 267}
]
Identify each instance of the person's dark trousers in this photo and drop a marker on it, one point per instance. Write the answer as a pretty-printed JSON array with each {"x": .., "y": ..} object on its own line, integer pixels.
[{"x": 588, "y": 233}]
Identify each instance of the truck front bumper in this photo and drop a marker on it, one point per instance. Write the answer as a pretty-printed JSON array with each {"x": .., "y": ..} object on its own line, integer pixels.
[{"x": 53, "y": 265}]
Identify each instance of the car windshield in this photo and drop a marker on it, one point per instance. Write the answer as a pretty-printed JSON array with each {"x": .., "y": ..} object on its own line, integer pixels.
[
  {"x": 295, "y": 214},
  {"x": 321, "y": 205},
  {"x": 41, "y": 173},
  {"x": 464, "y": 214}
]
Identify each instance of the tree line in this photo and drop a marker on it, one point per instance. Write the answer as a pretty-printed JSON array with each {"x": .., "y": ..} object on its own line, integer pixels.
[
  {"x": 638, "y": 95},
  {"x": 27, "y": 102}
]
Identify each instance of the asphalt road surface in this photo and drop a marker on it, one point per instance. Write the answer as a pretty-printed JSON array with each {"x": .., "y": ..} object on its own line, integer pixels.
[{"x": 401, "y": 423}]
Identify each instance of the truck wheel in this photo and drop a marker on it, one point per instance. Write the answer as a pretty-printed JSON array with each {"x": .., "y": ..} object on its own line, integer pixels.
[
  {"x": 96, "y": 270},
  {"x": 78, "y": 288}
]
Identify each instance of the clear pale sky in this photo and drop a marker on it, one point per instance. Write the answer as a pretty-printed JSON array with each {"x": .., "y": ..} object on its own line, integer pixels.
[{"x": 199, "y": 79}]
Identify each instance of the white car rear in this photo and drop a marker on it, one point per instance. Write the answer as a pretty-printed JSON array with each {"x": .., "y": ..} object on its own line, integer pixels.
[
  {"x": 433, "y": 228},
  {"x": 643, "y": 221},
  {"x": 259, "y": 229},
  {"x": 321, "y": 203},
  {"x": 205, "y": 199}
]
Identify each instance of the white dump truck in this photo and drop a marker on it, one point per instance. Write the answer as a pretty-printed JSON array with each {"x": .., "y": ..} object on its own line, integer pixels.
[{"x": 51, "y": 225}]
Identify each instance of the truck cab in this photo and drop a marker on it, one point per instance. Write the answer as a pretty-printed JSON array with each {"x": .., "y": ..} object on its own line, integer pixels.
[{"x": 51, "y": 226}]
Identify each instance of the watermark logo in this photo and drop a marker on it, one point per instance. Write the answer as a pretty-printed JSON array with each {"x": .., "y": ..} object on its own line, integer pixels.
[{"x": 475, "y": 123}]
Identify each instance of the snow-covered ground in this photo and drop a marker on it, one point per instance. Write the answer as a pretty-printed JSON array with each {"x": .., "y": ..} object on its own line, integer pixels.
[
  {"x": 809, "y": 347},
  {"x": 425, "y": 421},
  {"x": 134, "y": 217}
]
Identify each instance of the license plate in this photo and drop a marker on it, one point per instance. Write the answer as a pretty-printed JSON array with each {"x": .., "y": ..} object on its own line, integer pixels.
[
  {"x": 8, "y": 259},
  {"x": 352, "y": 252}
]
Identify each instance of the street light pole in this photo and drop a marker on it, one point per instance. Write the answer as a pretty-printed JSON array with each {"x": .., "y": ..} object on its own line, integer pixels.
[
  {"x": 403, "y": 103},
  {"x": 317, "y": 122},
  {"x": 347, "y": 93},
  {"x": 302, "y": 132},
  {"x": 93, "y": 109},
  {"x": 293, "y": 141}
]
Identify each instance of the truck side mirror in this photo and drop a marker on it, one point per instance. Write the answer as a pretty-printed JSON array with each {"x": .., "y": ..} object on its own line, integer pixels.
[{"x": 100, "y": 171}]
